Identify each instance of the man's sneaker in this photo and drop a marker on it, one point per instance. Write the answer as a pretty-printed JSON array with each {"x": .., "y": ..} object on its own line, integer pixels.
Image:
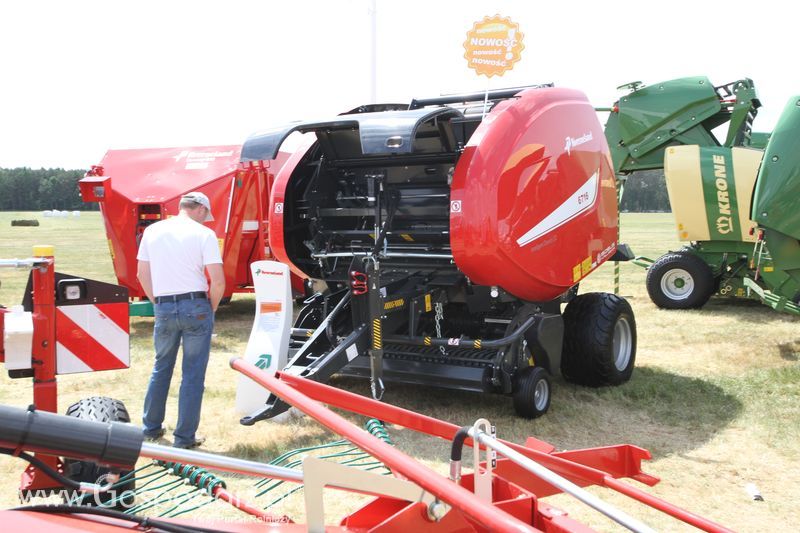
[
  {"x": 198, "y": 441},
  {"x": 157, "y": 435}
]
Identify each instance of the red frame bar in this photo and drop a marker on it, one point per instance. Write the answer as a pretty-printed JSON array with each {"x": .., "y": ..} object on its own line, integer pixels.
[
  {"x": 3, "y": 312},
  {"x": 43, "y": 359},
  {"x": 577, "y": 473},
  {"x": 468, "y": 503},
  {"x": 43, "y": 349}
]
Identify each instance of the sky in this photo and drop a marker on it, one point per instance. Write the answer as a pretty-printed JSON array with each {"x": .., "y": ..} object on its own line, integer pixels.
[{"x": 78, "y": 78}]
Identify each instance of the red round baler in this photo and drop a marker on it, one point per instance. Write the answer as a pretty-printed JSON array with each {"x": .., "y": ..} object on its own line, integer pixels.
[{"x": 448, "y": 234}]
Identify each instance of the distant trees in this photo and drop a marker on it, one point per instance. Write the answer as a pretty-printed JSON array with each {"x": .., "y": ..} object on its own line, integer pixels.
[
  {"x": 645, "y": 191},
  {"x": 26, "y": 189}
]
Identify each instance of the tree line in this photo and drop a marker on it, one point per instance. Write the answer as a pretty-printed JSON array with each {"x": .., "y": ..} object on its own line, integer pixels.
[
  {"x": 27, "y": 189},
  {"x": 645, "y": 192}
]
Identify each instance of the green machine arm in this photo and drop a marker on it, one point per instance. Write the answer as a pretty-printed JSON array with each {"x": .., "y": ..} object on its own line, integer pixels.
[{"x": 684, "y": 111}]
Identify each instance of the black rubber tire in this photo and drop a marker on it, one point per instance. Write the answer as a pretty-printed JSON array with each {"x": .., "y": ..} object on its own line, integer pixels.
[
  {"x": 590, "y": 356},
  {"x": 700, "y": 278},
  {"x": 526, "y": 402},
  {"x": 99, "y": 409}
]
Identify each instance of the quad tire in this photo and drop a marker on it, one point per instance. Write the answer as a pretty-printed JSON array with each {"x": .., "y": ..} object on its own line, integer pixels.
[
  {"x": 680, "y": 280},
  {"x": 531, "y": 392},
  {"x": 599, "y": 340},
  {"x": 99, "y": 409}
]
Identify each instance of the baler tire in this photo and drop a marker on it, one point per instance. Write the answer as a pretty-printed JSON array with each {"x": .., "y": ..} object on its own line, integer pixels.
[
  {"x": 696, "y": 277},
  {"x": 531, "y": 394},
  {"x": 599, "y": 340},
  {"x": 99, "y": 409}
]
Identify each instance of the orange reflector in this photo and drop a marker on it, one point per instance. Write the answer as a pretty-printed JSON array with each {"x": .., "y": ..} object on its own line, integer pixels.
[{"x": 271, "y": 307}]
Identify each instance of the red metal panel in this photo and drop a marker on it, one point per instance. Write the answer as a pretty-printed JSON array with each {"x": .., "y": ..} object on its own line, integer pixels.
[
  {"x": 413, "y": 518},
  {"x": 554, "y": 520},
  {"x": 533, "y": 198},
  {"x": 373, "y": 512}
]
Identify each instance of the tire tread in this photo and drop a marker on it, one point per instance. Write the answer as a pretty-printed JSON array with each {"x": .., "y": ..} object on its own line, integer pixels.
[{"x": 589, "y": 322}]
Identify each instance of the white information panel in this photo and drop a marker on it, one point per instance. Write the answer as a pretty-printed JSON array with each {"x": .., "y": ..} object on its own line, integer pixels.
[{"x": 268, "y": 347}]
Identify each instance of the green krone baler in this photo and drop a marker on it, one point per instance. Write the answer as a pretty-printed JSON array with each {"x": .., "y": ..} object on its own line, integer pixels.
[{"x": 734, "y": 203}]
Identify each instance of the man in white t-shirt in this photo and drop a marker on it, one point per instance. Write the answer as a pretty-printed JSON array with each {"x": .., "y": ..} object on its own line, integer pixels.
[{"x": 174, "y": 256}]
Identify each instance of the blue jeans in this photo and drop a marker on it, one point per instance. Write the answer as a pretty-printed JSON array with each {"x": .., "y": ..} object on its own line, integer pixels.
[{"x": 192, "y": 322}]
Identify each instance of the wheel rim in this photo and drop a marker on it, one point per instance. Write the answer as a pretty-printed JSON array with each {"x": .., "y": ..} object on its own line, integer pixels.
[
  {"x": 623, "y": 343},
  {"x": 677, "y": 284},
  {"x": 540, "y": 395}
]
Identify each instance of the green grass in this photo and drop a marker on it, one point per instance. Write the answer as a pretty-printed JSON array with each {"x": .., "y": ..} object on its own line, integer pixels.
[
  {"x": 81, "y": 248},
  {"x": 715, "y": 396}
]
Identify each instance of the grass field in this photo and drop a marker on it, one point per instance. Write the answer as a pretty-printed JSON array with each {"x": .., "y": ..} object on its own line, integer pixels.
[{"x": 715, "y": 396}]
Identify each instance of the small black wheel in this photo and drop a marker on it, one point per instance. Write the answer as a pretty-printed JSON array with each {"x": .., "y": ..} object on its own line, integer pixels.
[
  {"x": 531, "y": 392},
  {"x": 100, "y": 409},
  {"x": 680, "y": 280},
  {"x": 599, "y": 340}
]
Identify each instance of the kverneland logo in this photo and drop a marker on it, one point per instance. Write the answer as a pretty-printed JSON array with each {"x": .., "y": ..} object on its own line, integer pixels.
[
  {"x": 268, "y": 272},
  {"x": 572, "y": 142},
  {"x": 188, "y": 154}
]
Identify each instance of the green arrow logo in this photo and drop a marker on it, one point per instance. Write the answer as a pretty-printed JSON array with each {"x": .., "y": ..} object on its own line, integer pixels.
[{"x": 264, "y": 361}]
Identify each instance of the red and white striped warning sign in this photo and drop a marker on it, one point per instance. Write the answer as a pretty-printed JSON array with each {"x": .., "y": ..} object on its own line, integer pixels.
[{"x": 92, "y": 337}]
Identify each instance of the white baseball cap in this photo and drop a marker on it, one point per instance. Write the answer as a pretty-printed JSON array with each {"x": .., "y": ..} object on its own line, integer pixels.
[{"x": 199, "y": 198}]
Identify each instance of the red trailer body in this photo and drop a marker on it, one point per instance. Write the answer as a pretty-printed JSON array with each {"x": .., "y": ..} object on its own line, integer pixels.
[{"x": 136, "y": 188}]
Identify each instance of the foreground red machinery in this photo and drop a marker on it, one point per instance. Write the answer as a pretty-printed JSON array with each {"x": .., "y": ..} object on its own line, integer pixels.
[
  {"x": 136, "y": 188},
  {"x": 504, "y": 493},
  {"x": 449, "y": 233},
  {"x": 77, "y": 325}
]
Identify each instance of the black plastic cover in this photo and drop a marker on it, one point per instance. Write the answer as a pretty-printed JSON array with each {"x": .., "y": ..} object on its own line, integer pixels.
[
  {"x": 381, "y": 133},
  {"x": 107, "y": 443}
]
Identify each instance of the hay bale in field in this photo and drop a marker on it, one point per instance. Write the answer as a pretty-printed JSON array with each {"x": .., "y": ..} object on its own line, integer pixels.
[{"x": 22, "y": 222}]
